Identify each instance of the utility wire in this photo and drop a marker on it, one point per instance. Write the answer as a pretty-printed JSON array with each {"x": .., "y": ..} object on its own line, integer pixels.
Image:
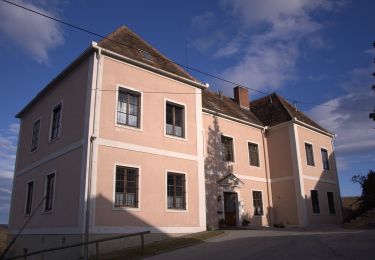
[{"x": 168, "y": 60}]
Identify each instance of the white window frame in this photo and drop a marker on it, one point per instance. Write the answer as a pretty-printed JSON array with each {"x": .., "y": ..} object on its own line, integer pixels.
[
  {"x": 53, "y": 194},
  {"x": 114, "y": 208},
  {"x": 32, "y": 131},
  {"x": 32, "y": 201},
  {"x": 312, "y": 209},
  {"x": 140, "y": 128},
  {"x": 248, "y": 153},
  {"x": 185, "y": 138},
  {"x": 234, "y": 148},
  {"x": 61, "y": 102},
  {"x": 252, "y": 204},
  {"x": 166, "y": 192},
  {"x": 312, "y": 147}
]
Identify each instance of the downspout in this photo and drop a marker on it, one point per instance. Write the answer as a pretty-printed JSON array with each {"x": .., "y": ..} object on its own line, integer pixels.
[
  {"x": 268, "y": 180},
  {"x": 338, "y": 184},
  {"x": 91, "y": 140}
]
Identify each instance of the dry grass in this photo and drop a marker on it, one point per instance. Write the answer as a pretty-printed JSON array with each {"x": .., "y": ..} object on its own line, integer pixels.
[
  {"x": 162, "y": 246},
  {"x": 3, "y": 238}
]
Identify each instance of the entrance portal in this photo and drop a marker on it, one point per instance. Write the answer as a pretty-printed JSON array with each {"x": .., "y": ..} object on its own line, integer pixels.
[{"x": 230, "y": 208}]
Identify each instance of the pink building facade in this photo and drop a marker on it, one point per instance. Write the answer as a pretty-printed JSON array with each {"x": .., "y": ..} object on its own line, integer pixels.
[{"x": 125, "y": 141}]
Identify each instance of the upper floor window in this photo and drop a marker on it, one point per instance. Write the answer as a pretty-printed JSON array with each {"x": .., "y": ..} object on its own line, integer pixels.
[
  {"x": 35, "y": 136},
  {"x": 128, "y": 108},
  {"x": 331, "y": 203},
  {"x": 325, "y": 159},
  {"x": 257, "y": 203},
  {"x": 176, "y": 198},
  {"x": 175, "y": 124},
  {"x": 227, "y": 149},
  {"x": 253, "y": 154},
  {"x": 126, "y": 194},
  {"x": 315, "y": 201},
  {"x": 309, "y": 154},
  {"x": 50, "y": 187},
  {"x": 29, "y": 197},
  {"x": 56, "y": 122}
]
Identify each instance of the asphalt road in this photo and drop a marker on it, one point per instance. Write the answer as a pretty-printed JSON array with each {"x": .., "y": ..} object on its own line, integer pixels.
[{"x": 332, "y": 243}]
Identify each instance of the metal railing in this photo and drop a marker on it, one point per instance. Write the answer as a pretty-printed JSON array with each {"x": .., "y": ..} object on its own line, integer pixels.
[{"x": 96, "y": 242}]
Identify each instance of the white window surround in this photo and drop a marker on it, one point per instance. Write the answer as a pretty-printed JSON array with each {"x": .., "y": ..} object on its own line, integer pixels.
[
  {"x": 252, "y": 204},
  {"x": 61, "y": 102},
  {"x": 32, "y": 131},
  {"x": 234, "y": 148},
  {"x": 248, "y": 153},
  {"x": 166, "y": 192},
  {"x": 314, "y": 157},
  {"x": 168, "y": 100},
  {"x": 140, "y": 128},
  {"x": 32, "y": 201},
  {"x": 114, "y": 187},
  {"x": 45, "y": 192},
  {"x": 320, "y": 209}
]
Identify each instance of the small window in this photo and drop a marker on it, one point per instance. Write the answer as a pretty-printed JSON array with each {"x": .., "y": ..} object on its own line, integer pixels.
[
  {"x": 35, "y": 136},
  {"x": 56, "y": 122},
  {"x": 325, "y": 159},
  {"x": 175, "y": 124},
  {"x": 331, "y": 203},
  {"x": 309, "y": 154},
  {"x": 126, "y": 194},
  {"x": 315, "y": 202},
  {"x": 128, "y": 108},
  {"x": 29, "y": 197},
  {"x": 176, "y": 191},
  {"x": 257, "y": 203},
  {"x": 253, "y": 154},
  {"x": 50, "y": 186},
  {"x": 227, "y": 149}
]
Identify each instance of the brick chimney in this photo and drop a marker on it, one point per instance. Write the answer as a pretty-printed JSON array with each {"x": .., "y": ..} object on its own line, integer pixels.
[{"x": 241, "y": 96}]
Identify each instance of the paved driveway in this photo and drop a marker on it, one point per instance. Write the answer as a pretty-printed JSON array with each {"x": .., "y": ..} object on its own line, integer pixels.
[{"x": 332, "y": 243}]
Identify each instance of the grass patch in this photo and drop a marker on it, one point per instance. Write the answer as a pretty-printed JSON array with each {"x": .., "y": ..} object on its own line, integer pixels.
[{"x": 163, "y": 246}]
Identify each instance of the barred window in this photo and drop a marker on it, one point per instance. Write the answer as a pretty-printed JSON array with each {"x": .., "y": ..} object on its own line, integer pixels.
[
  {"x": 175, "y": 120},
  {"x": 309, "y": 154},
  {"x": 128, "y": 108},
  {"x": 176, "y": 191},
  {"x": 315, "y": 201},
  {"x": 325, "y": 159},
  {"x": 126, "y": 194},
  {"x": 35, "y": 136},
  {"x": 56, "y": 122},
  {"x": 253, "y": 154},
  {"x": 227, "y": 149},
  {"x": 257, "y": 203}
]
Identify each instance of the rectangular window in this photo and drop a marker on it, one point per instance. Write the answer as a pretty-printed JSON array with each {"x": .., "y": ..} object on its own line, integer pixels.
[
  {"x": 176, "y": 191},
  {"x": 253, "y": 154},
  {"x": 29, "y": 197},
  {"x": 325, "y": 159},
  {"x": 50, "y": 186},
  {"x": 56, "y": 122},
  {"x": 331, "y": 203},
  {"x": 227, "y": 149},
  {"x": 35, "y": 136},
  {"x": 128, "y": 108},
  {"x": 126, "y": 194},
  {"x": 175, "y": 124},
  {"x": 257, "y": 203},
  {"x": 309, "y": 154},
  {"x": 315, "y": 202}
]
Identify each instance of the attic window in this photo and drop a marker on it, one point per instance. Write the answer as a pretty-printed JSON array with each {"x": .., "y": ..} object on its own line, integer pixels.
[{"x": 146, "y": 55}]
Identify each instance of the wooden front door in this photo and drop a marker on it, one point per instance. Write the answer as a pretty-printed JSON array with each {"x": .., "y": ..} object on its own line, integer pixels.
[{"x": 230, "y": 208}]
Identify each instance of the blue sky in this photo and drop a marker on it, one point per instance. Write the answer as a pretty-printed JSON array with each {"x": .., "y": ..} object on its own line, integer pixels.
[{"x": 319, "y": 52}]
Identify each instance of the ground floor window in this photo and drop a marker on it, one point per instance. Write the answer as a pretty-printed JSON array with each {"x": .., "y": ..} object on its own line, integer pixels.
[
  {"x": 50, "y": 187},
  {"x": 257, "y": 203},
  {"x": 126, "y": 194},
  {"x": 176, "y": 191},
  {"x": 29, "y": 197},
  {"x": 331, "y": 203},
  {"x": 315, "y": 201}
]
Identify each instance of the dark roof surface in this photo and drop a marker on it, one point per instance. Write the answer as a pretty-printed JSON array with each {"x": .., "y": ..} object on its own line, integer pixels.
[
  {"x": 227, "y": 106},
  {"x": 134, "y": 47},
  {"x": 273, "y": 110}
]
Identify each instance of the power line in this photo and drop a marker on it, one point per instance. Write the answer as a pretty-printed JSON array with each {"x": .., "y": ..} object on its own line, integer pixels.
[{"x": 168, "y": 60}]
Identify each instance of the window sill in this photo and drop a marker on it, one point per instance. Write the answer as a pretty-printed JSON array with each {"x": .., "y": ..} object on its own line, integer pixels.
[
  {"x": 176, "y": 137},
  {"x": 312, "y": 166},
  {"x": 125, "y": 209},
  {"x": 177, "y": 210},
  {"x": 47, "y": 212},
  {"x": 139, "y": 129},
  {"x": 53, "y": 140}
]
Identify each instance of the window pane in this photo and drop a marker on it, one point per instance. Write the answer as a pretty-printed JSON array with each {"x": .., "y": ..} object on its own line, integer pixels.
[
  {"x": 254, "y": 154},
  {"x": 227, "y": 148},
  {"x": 56, "y": 117},
  {"x": 128, "y": 108},
  {"x": 121, "y": 118},
  {"x": 126, "y": 193},
  {"x": 309, "y": 154},
  {"x": 35, "y": 137},
  {"x": 325, "y": 159},
  {"x": 331, "y": 203},
  {"x": 49, "y": 192},
  {"x": 174, "y": 120},
  {"x": 315, "y": 201},
  {"x": 169, "y": 114},
  {"x": 29, "y": 197},
  {"x": 179, "y": 116},
  {"x": 257, "y": 203},
  {"x": 176, "y": 191},
  {"x": 133, "y": 120}
]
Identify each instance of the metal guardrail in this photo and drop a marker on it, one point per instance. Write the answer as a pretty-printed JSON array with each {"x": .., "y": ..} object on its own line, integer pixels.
[{"x": 96, "y": 242}]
